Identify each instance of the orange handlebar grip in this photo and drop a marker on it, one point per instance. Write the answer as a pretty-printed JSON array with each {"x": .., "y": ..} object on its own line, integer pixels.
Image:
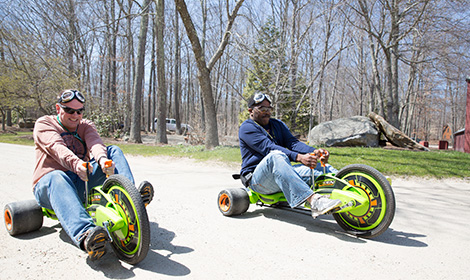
[
  {"x": 108, "y": 163},
  {"x": 87, "y": 166},
  {"x": 312, "y": 154},
  {"x": 321, "y": 161}
]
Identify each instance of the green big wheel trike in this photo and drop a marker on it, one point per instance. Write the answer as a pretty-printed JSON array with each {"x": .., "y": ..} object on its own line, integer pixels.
[
  {"x": 117, "y": 206},
  {"x": 368, "y": 202}
]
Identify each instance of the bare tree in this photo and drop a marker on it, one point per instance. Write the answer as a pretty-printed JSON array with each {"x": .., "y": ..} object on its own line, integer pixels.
[
  {"x": 128, "y": 53},
  {"x": 204, "y": 69},
  {"x": 151, "y": 96},
  {"x": 401, "y": 17},
  {"x": 388, "y": 54},
  {"x": 177, "y": 76},
  {"x": 161, "y": 96},
  {"x": 137, "y": 92},
  {"x": 111, "y": 44}
]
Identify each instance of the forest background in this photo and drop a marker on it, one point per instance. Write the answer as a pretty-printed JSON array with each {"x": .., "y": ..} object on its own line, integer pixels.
[{"x": 199, "y": 61}]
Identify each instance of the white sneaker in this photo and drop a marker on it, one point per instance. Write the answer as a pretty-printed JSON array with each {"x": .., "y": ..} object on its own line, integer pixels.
[{"x": 322, "y": 205}]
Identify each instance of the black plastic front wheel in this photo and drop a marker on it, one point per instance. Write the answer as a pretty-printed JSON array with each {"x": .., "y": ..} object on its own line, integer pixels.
[
  {"x": 374, "y": 220},
  {"x": 131, "y": 243},
  {"x": 233, "y": 202}
]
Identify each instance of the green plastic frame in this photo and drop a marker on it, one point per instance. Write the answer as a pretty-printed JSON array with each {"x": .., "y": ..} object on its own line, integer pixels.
[
  {"x": 352, "y": 197},
  {"x": 109, "y": 212}
]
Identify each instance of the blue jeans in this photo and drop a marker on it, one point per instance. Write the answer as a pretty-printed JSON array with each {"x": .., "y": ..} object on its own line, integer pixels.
[
  {"x": 276, "y": 174},
  {"x": 64, "y": 193}
]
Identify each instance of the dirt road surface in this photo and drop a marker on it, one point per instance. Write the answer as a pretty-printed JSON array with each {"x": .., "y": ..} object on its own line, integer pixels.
[{"x": 190, "y": 239}]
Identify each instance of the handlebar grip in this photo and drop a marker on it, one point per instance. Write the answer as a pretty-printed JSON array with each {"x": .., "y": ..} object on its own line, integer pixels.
[
  {"x": 87, "y": 166},
  {"x": 108, "y": 163},
  {"x": 321, "y": 154}
]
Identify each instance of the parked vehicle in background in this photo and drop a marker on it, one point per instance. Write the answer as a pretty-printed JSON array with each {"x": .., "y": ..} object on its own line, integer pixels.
[{"x": 171, "y": 126}]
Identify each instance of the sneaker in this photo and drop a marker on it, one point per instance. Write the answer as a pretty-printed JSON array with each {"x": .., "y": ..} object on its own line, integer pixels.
[
  {"x": 95, "y": 242},
  {"x": 322, "y": 205},
  {"x": 146, "y": 192}
]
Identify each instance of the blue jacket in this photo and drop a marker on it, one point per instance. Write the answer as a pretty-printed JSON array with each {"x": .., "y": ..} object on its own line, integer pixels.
[{"x": 256, "y": 143}]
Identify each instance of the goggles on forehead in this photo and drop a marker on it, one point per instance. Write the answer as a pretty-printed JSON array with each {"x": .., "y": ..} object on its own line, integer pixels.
[
  {"x": 70, "y": 95},
  {"x": 260, "y": 97}
]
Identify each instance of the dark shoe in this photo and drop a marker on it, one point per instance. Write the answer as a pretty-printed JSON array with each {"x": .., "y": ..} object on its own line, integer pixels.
[
  {"x": 322, "y": 205},
  {"x": 95, "y": 242},
  {"x": 146, "y": 191}
]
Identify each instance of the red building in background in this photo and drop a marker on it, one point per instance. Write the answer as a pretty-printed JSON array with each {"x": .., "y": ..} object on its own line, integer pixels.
[{"x": 462, "y": 137}]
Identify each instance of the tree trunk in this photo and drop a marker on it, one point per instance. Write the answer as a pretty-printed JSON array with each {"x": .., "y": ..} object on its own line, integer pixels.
[
  {"x": 154, "y": 79},
  {"x": 128, "y": 63},
  {"x": 293, "y": 63},
  {"x": 212, "y": 137},
  {"x": 394, "y": 34},
  {"x": 324, "y": 63},
  {"x": 177, "y": 81},
  {"x": 152, "y": 82},
  {"x": 394, "y": 135},
  {"x": 139, "y": 77},
  {"x": 203, "y": 51},
  {"x": 161, "y": 96},
  {"x": 336, "y": 79},
  {"x": 112, "y": 57}
]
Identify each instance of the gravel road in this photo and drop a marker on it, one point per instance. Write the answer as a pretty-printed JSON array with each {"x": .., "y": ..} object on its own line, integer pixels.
[{"x": 428, "y": 239}]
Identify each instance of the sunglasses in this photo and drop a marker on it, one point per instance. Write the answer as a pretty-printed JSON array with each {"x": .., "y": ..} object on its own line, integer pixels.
[
  {"x": 260, "y": 97},
  {"x": 264, "y": 109},
  {"x": 70, "y": 110},
  {"x": 70, "y": 95}
]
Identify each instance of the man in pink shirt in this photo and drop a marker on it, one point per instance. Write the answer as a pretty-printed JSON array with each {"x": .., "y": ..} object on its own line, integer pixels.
[{"x": 62, "y": 144}]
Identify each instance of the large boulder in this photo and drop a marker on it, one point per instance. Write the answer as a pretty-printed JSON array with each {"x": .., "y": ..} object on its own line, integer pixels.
[{"x": 354, "y": 131}]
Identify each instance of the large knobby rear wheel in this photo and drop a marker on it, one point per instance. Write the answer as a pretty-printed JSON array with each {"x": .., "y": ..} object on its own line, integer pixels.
[
  {"x": 233, "y": 202},
  {"x": 373, "y": 220},
  {"x": 131, "y": 243}
]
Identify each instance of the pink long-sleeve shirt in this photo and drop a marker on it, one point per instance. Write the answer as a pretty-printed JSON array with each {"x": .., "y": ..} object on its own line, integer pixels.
[{"x": 58, "y": 149}]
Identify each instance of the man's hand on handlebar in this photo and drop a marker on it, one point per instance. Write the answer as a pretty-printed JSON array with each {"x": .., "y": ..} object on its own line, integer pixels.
[
  {"x": 107, "y": 166},
  {"x": 82, "y": 172},
  {"x": 323, "y": 155},
  {"x": 311, "y": 159}
]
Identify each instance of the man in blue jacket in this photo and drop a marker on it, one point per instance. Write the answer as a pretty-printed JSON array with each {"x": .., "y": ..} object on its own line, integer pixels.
[{"x": 268, "y": 147}]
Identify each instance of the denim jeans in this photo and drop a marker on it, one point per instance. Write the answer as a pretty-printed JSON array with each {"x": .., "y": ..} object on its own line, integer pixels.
[
  {"x": 275, "y": 174},
  {"x": 64, "y": 192}
]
